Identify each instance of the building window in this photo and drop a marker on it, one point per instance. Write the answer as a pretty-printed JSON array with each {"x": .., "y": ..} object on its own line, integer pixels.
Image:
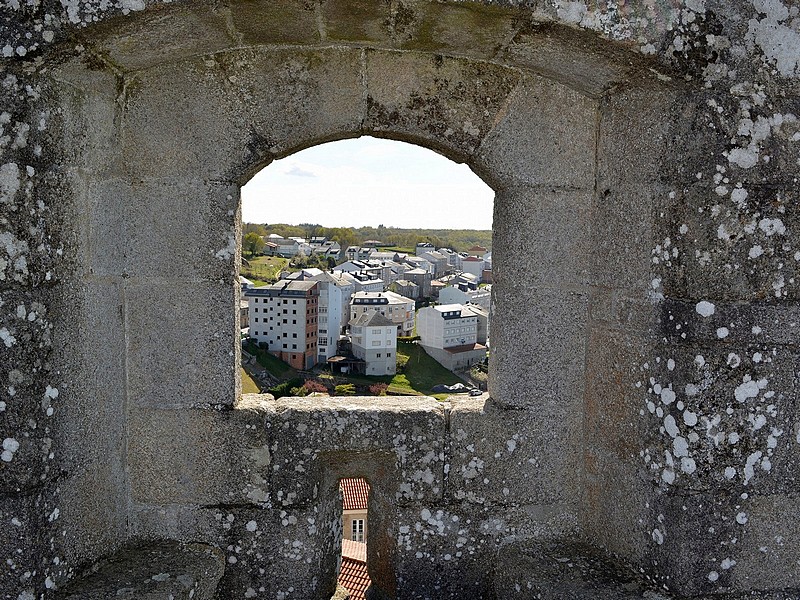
[
  {"x": 294, "y": 335},
  {"x": 378, "y": 355},
  {"x": 294, "y": 346},
  {"x": 256, "y": 319},
  {"x": 323, "y": 341},
  {"x": 388, "y": 355},
  {"x": 357, "y": 530}
]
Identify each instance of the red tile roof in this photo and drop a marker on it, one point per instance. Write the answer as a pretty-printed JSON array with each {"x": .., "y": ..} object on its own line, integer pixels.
[
  {"x": 353, "y": 575},
  {"x": 354, "y": 550},
  {"x": 355, "y": 493}
]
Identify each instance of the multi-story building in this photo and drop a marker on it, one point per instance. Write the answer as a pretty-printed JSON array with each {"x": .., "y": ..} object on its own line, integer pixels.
[
  {"x": 393, "y": 306},
  {"x": 473, "y": 265},
  {"x": 334, "y": 296},
  {"x": 374, "y": 340},
  {"x": 406, "y": 288},
  {"x": 284, "y": 317},
  {"x": 422, "y": 278},
  {"x": 438, "y": 260},
  {"x": 449, "y": 333}
]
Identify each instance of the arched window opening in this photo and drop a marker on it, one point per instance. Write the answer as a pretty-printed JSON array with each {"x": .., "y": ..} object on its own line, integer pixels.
[{"x": 366, "y": 269}]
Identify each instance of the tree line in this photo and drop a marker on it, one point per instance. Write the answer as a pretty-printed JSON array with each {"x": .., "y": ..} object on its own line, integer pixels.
[{"x": 459, "y": 240}]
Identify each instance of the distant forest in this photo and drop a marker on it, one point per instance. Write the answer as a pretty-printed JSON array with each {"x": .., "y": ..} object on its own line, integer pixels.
[{"x": 459, "y": 240}]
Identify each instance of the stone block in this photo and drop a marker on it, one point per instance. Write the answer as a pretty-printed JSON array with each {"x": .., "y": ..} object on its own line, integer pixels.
[
  {"x": 474, "y": 30},
  {"x": 633, "y": 140},
  {"x": 544, "y": 136},
  {"x": 446, "y": 104},
  {"x": 193, "y": 224},
  {"x": 735, "y": 242},
  {"x": 274, "y": 23},
  {"x": 623, "y": 237},
  {"x": 165, "y": 36},
  {"x": 768, "y": 556},
  {"x": 373, "y": 22},
  {"x": 542, "y": 235},
  {"x": 154, "y": 572},
  {"x": 182, "y": 343},
  {"x": 575, "y": 59},
  {"x": 203, "y": 457},
  {"x": 290, "y": 99},
  {"x": 516, "y": 457},
  {"x": 566, "y": 569},
  {"x": 24, "y": 520},
  {"x": 445, "y": 551},
  {"x": 92, "y": 512},
  {"x": 88, "y": 118},
  {"x": 538, "y": 346},
  {"x": 289, "y": 552},
  {"x": 179, "y": 121},
  {"x": 396, "y": 443}
]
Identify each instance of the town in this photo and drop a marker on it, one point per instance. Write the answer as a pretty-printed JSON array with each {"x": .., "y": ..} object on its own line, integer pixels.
[{"x": 353, "y": 327}]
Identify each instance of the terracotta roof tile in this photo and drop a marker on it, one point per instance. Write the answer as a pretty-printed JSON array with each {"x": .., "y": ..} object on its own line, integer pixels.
[
  {"x": 354, "y": 577},
  {"x": 355, "y": 493}
]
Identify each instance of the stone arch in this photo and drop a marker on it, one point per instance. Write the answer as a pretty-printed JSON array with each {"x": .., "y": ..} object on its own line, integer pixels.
[{"x": 177, "y": 135}]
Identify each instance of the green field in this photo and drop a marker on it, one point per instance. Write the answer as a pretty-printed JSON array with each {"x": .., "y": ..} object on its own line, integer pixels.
[
  {"x": 276, "y": 367},
  {"x": 248, "y": 385},
  {"x": 264, "y": 270},
  {"x": 421, "y": 373}
]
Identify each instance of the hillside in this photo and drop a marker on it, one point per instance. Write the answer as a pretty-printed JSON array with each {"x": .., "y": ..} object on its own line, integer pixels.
[{"x": 459, "y": 240}]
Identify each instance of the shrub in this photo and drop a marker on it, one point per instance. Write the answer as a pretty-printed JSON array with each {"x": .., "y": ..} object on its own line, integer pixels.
[
  {"x": 286, "y": 388},
  {"x": 402, "y": 361},
  {"x": 313, "y": 385},
  {"x": 378, "y": 389},
  {"x": 345, "y": 389}
]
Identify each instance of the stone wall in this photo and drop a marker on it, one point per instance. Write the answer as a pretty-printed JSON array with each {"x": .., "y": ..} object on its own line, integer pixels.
[{"x": 644, "y": 374}]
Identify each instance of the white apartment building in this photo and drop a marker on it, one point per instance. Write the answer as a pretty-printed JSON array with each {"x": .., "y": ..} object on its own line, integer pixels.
[
  {"x": 449, "y": 333},
  {"x": 393, "y": 306},
  {"x": 453, "y": 295},
  {"x": 446, "y": 326},
  {"x": 334, "y": 295},
  {"x": 284, "y": 316},
  {"x": 473, "y": 265},
  {"x": 374, "y": 340}
]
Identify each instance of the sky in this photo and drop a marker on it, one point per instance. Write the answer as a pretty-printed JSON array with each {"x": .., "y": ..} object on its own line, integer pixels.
[{"x": 368, "y": 182}]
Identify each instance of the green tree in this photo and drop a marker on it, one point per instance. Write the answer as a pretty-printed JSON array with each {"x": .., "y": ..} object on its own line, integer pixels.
[{"x": 252, "y": 243}]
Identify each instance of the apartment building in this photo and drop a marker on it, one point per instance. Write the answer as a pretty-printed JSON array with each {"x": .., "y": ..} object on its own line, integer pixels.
[
  {"x": 334, "y": 296},
  {"x": 449, "y": 333},
  {"x": 374, "y": 340},
  {"x": 284, "y": 316},
  {"x": 398, "y": 309}
]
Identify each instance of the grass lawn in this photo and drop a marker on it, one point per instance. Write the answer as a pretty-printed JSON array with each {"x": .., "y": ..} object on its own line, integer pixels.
[
  {"x": 264, "y": 270},
  {"x": 273, "y": 364},
  {"x": 421, "y": 371},
  {"x": 421, "y": 374},
  {"x": 248, "y": 385}
]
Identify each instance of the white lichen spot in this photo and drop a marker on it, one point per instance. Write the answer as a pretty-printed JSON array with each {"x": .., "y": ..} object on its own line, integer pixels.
[
  {"x": 10, "y": 446},
  {"x": 722, "y": 332}
]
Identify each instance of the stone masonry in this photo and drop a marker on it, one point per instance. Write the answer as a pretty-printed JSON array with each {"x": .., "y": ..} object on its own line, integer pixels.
[{"x": 641, "y": 435}]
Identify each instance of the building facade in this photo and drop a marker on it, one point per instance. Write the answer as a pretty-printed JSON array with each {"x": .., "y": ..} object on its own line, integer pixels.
[
  {"x": 284, "y": 316},
  {"x": 393, "y": 306},
  {"x": 449, "y": 333},
  {"x": 374, "y": 340}
]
